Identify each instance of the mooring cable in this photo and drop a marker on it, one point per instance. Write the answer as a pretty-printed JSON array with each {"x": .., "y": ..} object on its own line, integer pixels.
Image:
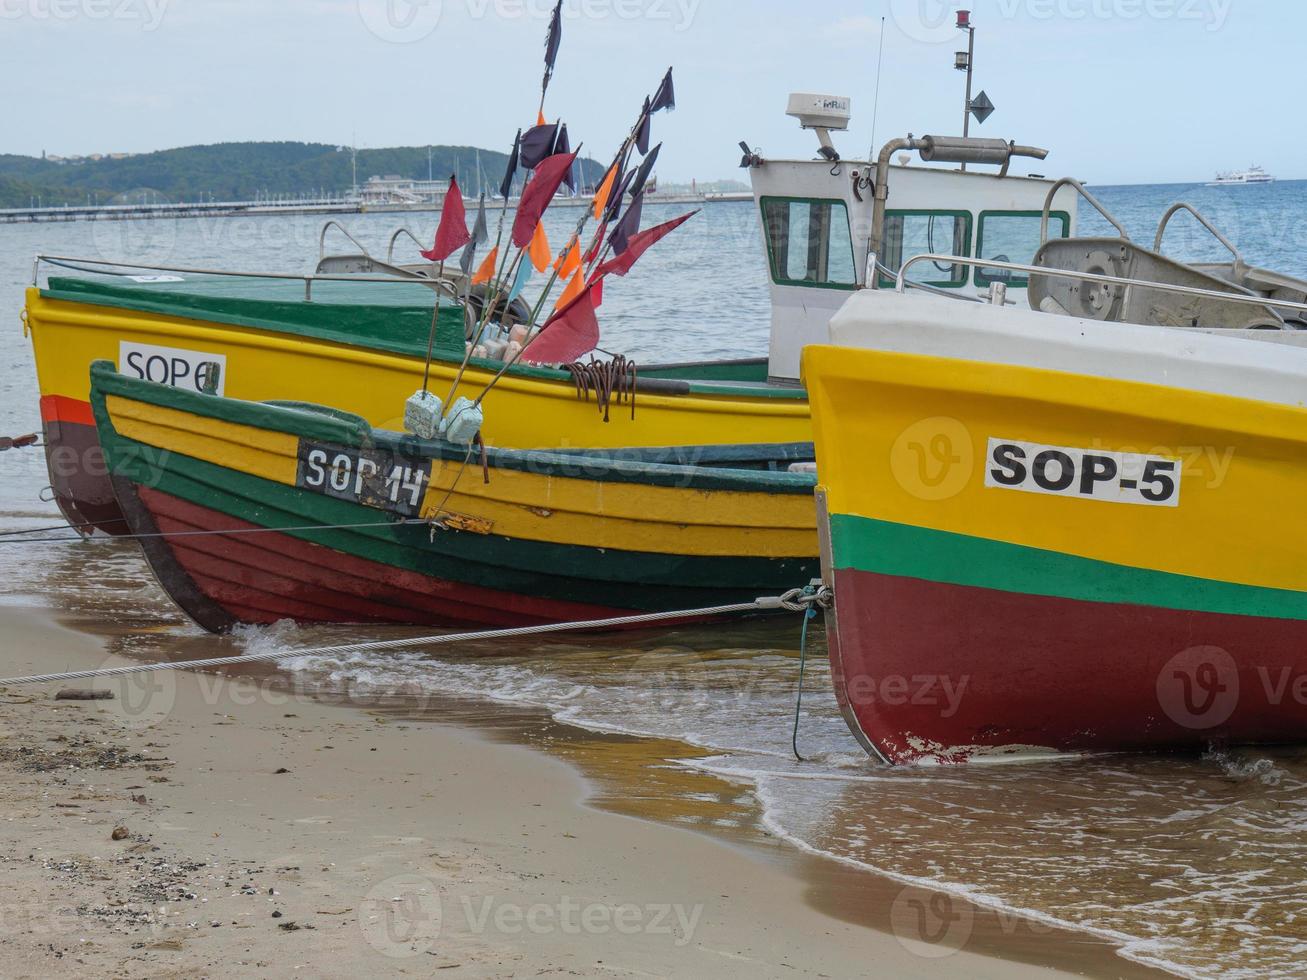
[
  {"x": 204, "y": 534},
  {"x": 798, "y": 600}
]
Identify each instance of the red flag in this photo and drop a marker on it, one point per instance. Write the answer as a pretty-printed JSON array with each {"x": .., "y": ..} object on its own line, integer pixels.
[
  {"x": 568, "y": 334},
  {"x": 452, "y": 233},
  {"x": 538, "y": 194},
  {"x": 640, "y": 244}
]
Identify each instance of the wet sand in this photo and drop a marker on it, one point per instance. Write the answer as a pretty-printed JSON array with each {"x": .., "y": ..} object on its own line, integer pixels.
[{"x": 272, "y": 834}]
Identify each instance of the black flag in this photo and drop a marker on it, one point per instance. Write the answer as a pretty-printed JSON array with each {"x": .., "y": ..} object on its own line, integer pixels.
[
  {"x": 645, "y": 135},
  {"x": 665, "y": 97},
  {"x": 538, "y": 145},
  {"x": 552, "y": 43},
  {"x": 506, "y": 188},
  {"x": 564, "y": 145},
  {"x": 646, "y": 168},
  {"x": 629, "y": 226},
  {"x": 619, "y": 197},
  {"x": 480, "y": 235}
]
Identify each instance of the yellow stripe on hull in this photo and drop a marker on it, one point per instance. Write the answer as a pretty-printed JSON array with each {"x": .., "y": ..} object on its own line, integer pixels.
[
  {"x": 526, "y": 413},
  {"x": 911, "y": 448},
  {"x": 521, "y": 505},
  {"x": 268, "y": 455}
]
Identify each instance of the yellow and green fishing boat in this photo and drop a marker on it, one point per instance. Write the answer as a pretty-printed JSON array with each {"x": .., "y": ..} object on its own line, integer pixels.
[
  {"x": 255, "y": 513},
  {"x": 1052, "y": 534}
]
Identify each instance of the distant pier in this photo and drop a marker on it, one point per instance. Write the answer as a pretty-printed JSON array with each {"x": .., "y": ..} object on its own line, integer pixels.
[{"x": 231, "y": 209}]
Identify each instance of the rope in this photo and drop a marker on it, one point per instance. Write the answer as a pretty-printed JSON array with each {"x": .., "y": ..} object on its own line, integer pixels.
[
  {"x": 809, "y": 615},
  {"x": 618, "y": 377},
  {"x": 203, "y": 534},
  {"x": 796, "y": 601}
]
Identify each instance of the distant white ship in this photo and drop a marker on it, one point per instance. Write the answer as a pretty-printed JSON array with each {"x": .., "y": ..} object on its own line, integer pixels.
[{"x": 1253, "y": 175}]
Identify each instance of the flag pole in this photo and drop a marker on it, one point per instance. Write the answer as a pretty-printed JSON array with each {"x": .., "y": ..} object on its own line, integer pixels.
[{"x": 431, "y": 340}]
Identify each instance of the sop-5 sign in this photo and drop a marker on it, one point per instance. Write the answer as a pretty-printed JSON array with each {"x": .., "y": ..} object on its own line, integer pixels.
[{"x": 1119, "y": 478}]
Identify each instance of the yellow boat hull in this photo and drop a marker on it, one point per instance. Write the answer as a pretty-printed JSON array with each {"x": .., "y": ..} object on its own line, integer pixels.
[{"x": 528, "y": 410}]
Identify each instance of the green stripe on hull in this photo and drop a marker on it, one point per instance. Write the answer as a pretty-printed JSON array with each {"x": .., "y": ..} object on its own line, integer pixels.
[
  {"x": 738, "y": 468},
  {"x": 885, "y": 548},
  {"x": 627, "y": 580}
]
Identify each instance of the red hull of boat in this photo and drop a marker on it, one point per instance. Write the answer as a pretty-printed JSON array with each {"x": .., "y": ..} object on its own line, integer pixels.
[
  {"x": 941, "y": 672},
  {"x": 224, "y": 579}
]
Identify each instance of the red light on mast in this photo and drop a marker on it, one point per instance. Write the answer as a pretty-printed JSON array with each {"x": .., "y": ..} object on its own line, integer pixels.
[{"x": 964, "y": 20}]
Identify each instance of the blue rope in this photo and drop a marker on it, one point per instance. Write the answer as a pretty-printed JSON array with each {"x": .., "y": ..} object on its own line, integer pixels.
[{"x": 808, "y": 617}]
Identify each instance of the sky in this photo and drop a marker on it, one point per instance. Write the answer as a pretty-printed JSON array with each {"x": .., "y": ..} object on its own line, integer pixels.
[{"x": 1121, "y": 91}]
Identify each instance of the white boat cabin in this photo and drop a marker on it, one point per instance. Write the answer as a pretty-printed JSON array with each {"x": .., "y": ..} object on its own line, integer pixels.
[{"x": 825, "y": 239}]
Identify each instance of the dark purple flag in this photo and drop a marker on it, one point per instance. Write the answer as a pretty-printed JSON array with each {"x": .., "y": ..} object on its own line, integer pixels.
[
  {"x": 619, "y": 197},
  {"x": 538, "y": 145},
  {"x": 665, "y": 97},
  {"x": 646, "y": 168},
  {"x": 564, "y": 145},
  {"x": 552, "y": 43},
  {"x": 629, "y": 226},
  {"x": 506, "y": 188},
  {"x": 645, "y": 135}
]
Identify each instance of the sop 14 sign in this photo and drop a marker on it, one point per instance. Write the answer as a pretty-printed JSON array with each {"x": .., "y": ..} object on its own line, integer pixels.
[{"x": 1088, "y": 474}]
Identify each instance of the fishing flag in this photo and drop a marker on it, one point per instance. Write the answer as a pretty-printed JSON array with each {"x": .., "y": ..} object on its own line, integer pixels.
[
  {"x": 605, "y": 190},
  {"x": 639, "y": 244},
  {"x": 552, "y": 43},
  {"x": 480, "y": 235},
  {"x": 629, "y": 226},
  {"x": 537, "y": 144},
  {"x": 452, "y": 233},
  {"x": 537, "y": 196},
  {"x": 523, "y": 277},
  {"x": 646, "y": 168},
  {"x": 645, "y": 133},
  {"x": 665, "y": 97},
  {"x": 487, "y": 270},
  {"x": 615, "y": 205},
  {"x": 539, "y": 250},
  {"x": 564, "y": 145},
  {"x": 569, "y": 333},
  {"x": 569, "y": 262},
  {"x": 573, "y": 290},
  {"x": 506, "y": 188}
]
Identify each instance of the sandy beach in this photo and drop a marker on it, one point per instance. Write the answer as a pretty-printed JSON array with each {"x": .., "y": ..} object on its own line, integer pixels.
[{"x": 202, "y": 824}]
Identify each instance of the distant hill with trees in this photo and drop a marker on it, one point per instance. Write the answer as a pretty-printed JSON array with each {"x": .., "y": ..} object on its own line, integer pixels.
[{"x": 242, "y": 172}]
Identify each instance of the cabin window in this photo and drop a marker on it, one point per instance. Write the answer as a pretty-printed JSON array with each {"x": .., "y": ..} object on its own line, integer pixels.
[
  {"x": 1013, "y": 236},
  {"x": 809, "y": 242},
  {"x": 912, "y": 233}
]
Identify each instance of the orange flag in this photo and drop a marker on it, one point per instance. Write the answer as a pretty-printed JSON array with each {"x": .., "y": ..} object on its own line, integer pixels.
[
  {"x": 573, "y": 290},
  {"x": 539, "y": 250},
  {"x": 487, "y": 270},
  {"x": 569, "y": 262},
  {"x": 605, "y": 191}
]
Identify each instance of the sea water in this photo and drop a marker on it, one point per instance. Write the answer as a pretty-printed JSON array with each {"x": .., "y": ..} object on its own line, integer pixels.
[{"x": 1194, "y": 864}]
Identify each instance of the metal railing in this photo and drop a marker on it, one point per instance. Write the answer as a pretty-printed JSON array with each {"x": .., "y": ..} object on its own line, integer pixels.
[
  {"x": 322, "y": 239},
  {"x": 1038, "y": 270}
]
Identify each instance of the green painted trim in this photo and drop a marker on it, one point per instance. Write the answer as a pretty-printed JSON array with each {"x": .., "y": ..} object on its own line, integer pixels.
[
  {"x": 641, "y": 466},
  {"x": 934, "y": 213},
  {"x": 396, "y": 328},
  {"x": 1016, "y": 282},
  {"x": 885, "y": 548},
  {"x": 776, "y": 276},
  {"x": 626, "y": 580}
]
